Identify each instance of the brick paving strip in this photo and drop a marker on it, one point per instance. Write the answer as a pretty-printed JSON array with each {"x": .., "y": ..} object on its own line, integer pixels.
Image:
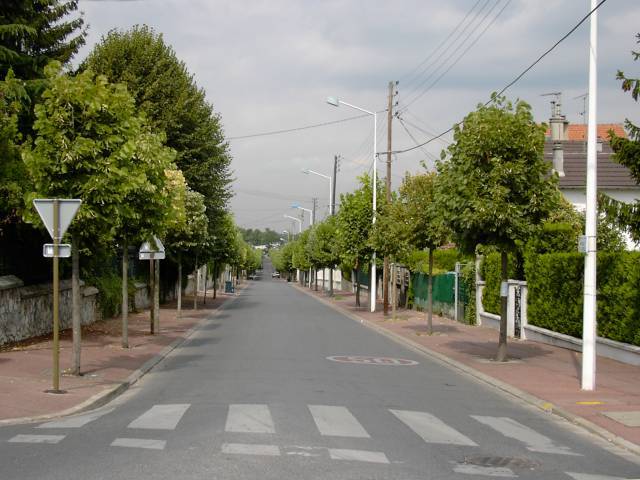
[
  {"x": 545, "y": 376},
  {"x": 107, "y": 369}
]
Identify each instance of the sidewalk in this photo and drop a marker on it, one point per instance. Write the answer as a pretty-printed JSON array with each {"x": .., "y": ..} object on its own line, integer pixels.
[
  {"x": 544, "y": 375},
  {"x": 107, "y": 369}
]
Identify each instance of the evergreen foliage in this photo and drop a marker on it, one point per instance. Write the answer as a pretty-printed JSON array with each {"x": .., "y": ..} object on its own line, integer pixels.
[{"x": 34, "y": 32}]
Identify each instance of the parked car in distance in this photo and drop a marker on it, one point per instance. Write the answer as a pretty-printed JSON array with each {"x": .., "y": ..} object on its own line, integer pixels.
[{"x": 275, "y": 275}]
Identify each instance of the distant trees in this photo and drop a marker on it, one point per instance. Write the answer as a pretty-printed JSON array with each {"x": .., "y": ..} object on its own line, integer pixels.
[{"x": 260, "y": 237}]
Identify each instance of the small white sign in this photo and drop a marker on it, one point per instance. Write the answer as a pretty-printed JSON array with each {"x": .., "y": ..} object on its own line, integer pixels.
[
  {"x": 151, "y": 255},
  {"x": 67, "y": 209},
  {"x": 504, "y": 289},
  {"x": 64, "y": 250},
  {"x": 582, "y": 244}
]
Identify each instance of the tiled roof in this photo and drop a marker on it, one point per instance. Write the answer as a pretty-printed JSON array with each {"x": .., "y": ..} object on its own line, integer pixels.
[
  {"x": 610, "y": 174},
  {"x": 577, "y": 131}
]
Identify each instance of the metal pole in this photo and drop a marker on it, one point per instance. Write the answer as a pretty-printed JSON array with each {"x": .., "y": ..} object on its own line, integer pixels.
[
  {"x": 456, "y": 291},
  {"x": 56, "y": 297},
  {"x": 152, "y": 294},
  {"x": 125, "y": 294},
  {"x": 375, "y": 196},
  {"x": 589, "y": 311}
]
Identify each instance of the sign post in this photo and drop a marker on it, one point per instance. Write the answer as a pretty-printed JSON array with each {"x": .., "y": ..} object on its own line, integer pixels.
[
  {"x": 153, "y": 252},
  {"x": 56, "y": 214}
]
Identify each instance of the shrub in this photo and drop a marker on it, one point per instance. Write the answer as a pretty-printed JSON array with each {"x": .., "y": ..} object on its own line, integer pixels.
[
  {"x": 555, "y": 282},
  {"x": 491, "y": 273}
]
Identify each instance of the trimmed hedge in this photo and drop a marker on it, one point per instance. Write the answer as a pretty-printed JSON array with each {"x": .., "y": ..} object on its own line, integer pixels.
[
  {"x": 555, "y": 282},
  {"x": 491, "y": 273}
]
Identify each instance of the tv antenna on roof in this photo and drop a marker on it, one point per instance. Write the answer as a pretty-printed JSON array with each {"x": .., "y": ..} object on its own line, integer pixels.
[
  {"x": 556, "y": 104},
  {"x": 583, "y": 113}
]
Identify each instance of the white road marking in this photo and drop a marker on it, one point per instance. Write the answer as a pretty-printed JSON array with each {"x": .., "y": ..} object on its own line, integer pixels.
[
  {"x": 357, "y": 455},
  {"x": 588, "y": 476},
  {"x": 37, "y": 439},
  {"x": 76, "y": 421},
  {"x": 161, "y": 417},
  {"x": 148, "y": 443},
  {"x": 337, "y": 422},
  {"x": 534, "y": 441},
  {"x": 250, "y": 449},
  {"x": 249, "y": 418},
  {"x": 431, "y": 429},
  {"x": 485, "y": 471}
]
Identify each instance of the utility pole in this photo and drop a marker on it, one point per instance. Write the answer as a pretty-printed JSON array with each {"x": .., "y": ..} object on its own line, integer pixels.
[
  {"x": 313, "y": 210},
  {"x": 385, "y": 271}
]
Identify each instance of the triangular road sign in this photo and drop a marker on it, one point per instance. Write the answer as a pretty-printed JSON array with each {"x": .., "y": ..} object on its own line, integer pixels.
[{"x": 67, "y": 210}]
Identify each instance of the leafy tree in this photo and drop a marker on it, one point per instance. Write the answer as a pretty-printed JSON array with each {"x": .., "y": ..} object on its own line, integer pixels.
[
  {"x": 495, "y": 186},
  {"x": 354, "y": 222},
  {"x": 322, "y": 247},
  {"x": 34, "y": 32},
  {"x": 627, "y": 153},
  {"x": 13, "y": 178},
  {"x": 189, "y": 233},
  {"x": 166, "y": 92},
  {"x": 91, "y": 145},
  {"x": 414, "y": 220}
]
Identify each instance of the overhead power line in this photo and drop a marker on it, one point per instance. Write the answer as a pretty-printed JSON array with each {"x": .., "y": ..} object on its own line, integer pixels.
[
  {"x": 297, "y": 129},
  {"x": 512, "y": 82}
]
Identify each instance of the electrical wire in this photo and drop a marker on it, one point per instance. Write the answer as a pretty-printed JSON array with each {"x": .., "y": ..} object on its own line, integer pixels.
[
  {"x": 407, "y": 77},
  {"x": 466, "y": 50},
  {"x": 296, "y": 129},
  {"x": 513, "y": 82},
  {"x": 453, "y": 44}
]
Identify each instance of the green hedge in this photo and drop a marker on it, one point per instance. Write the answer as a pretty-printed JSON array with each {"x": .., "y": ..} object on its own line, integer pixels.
[
  {"x": 491, "y": 273},
  {"x": 555, "y": 282}
]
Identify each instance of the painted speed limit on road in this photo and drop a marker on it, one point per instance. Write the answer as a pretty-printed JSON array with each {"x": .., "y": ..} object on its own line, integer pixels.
[{"x": 366, "y": 360}]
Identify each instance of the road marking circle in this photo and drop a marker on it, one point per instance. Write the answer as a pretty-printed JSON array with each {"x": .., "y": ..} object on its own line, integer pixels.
[{"x": 367, "y": 360}]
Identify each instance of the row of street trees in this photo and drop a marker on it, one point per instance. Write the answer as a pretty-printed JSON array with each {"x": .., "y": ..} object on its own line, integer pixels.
[
  {"x": 129, "y": 133},
  {"x": 492, "y": 190}
]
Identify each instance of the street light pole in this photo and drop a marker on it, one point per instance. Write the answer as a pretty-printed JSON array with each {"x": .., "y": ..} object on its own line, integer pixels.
[
  {"x": 591, "y": 214},
  {"x": 336, "y": 102},
  {"x": 331, "y": 188},
  {"x": 310, "y": 212}
]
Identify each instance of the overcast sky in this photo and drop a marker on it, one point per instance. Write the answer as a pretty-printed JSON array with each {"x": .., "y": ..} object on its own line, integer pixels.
[{"x": 269, "y": 65}]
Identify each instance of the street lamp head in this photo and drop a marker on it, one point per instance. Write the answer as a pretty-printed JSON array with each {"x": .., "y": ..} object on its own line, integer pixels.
[
  {"x": 305, "y": 171},
  {"x": 295, "y": 205},
  {"x": 333, "y": 101}
]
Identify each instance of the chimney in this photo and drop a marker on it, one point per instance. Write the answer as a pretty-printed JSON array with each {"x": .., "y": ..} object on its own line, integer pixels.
[{"x": 559, "y": 132}]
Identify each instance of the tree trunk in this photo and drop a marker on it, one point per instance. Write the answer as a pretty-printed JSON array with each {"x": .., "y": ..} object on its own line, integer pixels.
[
  {"x": 125, "y": 294},
  {"x": 502, "y": 355},
  {"x": 75, "y": 311},
  {"x": 331, "y": 281},
  {"x": 385, "y": 286},
  {"x": 206, "y": 274},
  {"x": 196, "y": 285},
  {"x": 357, "y": 286},
  {"x": 152, "y": 295},
  {"x": 179, "y": 314},
  {"x": 394, "y": 291},
  {"x": 315, "y": 278},
  {"x": 430, "y": 295},
  {"x": 215, "y": 281},
  {"x": 156, "y": 298}
]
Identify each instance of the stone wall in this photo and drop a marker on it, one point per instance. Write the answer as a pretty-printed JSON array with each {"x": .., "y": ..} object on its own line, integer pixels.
[{"x": 26, "y": 312}]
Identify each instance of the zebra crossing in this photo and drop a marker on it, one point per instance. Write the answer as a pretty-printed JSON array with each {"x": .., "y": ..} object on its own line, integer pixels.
[{"x": 255, "y": 422}]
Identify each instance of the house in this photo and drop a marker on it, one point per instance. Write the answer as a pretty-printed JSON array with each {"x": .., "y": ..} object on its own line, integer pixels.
[{"x": 566, "y": 148}]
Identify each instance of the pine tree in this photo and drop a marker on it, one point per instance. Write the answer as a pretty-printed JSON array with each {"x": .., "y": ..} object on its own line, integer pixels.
[{"x": 34, "y": 32}]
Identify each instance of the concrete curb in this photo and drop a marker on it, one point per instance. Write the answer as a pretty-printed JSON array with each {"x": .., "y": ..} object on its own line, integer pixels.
[
  {"x": 105, "y": 396},
  {"x": 486, "y": 379}
]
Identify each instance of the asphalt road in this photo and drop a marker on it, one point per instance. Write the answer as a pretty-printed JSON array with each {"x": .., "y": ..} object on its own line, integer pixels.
[{"x": 253, "y": 394}]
